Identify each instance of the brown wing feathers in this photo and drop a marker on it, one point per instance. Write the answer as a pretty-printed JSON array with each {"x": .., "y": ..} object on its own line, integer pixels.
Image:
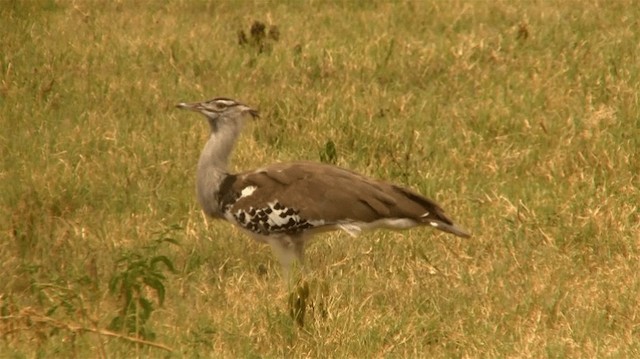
[{"x": 333, "y": 194}]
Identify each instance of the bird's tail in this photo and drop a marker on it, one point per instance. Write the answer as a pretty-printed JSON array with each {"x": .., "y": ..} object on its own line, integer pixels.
[
  {"x": 449, "y": 228},
  {"x": 434, "y": 215}
]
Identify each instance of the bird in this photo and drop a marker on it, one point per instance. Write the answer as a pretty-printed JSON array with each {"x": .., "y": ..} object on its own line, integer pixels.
[{"x": 285, "y": 204}]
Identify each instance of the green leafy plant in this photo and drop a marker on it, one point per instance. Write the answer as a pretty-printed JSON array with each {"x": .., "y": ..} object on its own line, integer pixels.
[
  {"x": 138, "y": 275},
  {"x": 329, "y": 154},
  {"x": 298, "y": 302},
  {"x": 308, "y": 300}
]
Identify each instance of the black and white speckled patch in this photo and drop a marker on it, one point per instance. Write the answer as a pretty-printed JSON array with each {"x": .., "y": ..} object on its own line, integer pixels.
[{"x": 273, "y": 219}]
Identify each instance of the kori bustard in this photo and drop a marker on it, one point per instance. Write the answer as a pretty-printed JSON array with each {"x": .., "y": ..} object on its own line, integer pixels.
[{"x": 284, "y": 204}]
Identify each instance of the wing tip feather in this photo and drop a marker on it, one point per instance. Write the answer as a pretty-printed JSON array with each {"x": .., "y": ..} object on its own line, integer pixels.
[{"x": 449, "y": 228}]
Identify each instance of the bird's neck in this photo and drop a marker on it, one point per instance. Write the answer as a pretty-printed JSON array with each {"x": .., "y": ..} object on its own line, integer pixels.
[{"x": 212, "y": 168}]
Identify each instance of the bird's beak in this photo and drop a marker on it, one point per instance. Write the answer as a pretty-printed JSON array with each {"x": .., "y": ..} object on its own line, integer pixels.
[{"x": 193, "y": 106}]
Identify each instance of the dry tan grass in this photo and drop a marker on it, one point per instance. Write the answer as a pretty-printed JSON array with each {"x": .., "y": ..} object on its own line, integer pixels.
[{"x": 520, "y": 118}]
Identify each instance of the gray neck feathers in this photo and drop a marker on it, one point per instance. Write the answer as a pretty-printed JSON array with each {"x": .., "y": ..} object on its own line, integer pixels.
[{"x": 212, "y": 165}]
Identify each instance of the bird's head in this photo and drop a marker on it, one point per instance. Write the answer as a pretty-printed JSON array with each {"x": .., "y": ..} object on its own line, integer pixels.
[{"x": 220, "y": 111}]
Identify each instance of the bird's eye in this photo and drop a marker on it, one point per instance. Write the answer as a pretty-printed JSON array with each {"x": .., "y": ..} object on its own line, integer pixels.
[
  {"x": 217, "y": 106},
  {"x": 221, "y": 104}
]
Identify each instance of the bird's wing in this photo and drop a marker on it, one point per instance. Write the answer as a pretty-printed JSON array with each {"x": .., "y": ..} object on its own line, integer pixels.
[{"x": 290, "y": 197}]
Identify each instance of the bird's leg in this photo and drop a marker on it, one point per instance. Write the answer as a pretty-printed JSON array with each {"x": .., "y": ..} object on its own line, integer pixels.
[
  {"x": 298, "y": 248},
  {"x": 290, "y": 253}
]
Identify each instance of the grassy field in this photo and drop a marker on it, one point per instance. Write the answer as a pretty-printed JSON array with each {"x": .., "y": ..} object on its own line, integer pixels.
[{"x": 521, "y": 118}]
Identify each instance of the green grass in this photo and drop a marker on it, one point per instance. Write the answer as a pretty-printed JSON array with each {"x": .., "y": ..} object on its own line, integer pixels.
[{"x": 521, "y": 118}]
